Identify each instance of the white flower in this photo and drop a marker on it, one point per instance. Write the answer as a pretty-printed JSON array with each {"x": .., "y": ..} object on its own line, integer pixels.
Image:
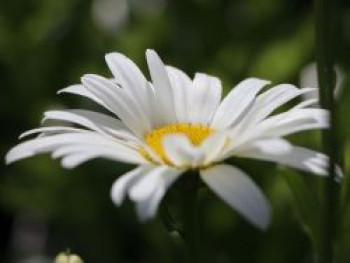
[{"x": 173, "y": 124}]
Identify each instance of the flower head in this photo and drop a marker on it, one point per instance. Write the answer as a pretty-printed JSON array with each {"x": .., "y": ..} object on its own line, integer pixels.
[{"x": 176, "y": 123}]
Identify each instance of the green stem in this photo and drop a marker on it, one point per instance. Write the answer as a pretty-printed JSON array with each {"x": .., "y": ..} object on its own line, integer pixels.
[
  {"x": 190, "y": 216},
  {"x": 325, "y": 38}
]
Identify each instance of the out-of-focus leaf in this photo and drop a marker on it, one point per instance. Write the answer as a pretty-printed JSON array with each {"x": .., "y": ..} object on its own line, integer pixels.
[
  {"x": 307, "y": 204},
  {"x": 284, "y": 56}
]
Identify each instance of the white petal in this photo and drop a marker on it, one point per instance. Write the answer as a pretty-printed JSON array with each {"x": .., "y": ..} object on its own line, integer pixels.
[
  {"x": 181, "y": 86},
  {"x": 85, "y": 153},
  {"x": 239, "y": 192},
  {"x": 129, "y": 76},
  {"x": 306, "y": 103},
  {"x": 147, "y": 185},
  {"x": 50, "y": 130},
  {"x": 149, "y": 191},
  {"x": 126, "y": 72},
  {"x": 79, "y": 89},
  {"x": 74, "y": 160},
  {"x": 121, "y": 104},
  {"x": 93, "y": 120},
  {"x": 237, "y": 102},
  {"x": 214, "y": 146},
  {"x": 265, "y": 104},
  {"x": 293, "y": 121},
  {"x": 146, "y": 209},
  {"x": 163, "y": 89},
  {"x": 300, "y": 158},
  {"x": 270, "y": 100},
  {"x": 89, "y": 141},
  {"x": 181, "y": 152},
  {"x": 273, "y": 146},
  {"x": 122, "y": 185},
  {"x": 71, "y": 150},
  {"x": 204, "y": 98}
]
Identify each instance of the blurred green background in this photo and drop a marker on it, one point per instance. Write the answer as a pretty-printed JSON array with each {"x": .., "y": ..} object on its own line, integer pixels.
[{"x": 46, "y": 45}]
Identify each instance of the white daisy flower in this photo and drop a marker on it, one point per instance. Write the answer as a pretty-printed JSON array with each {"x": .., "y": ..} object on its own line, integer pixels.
[{"x": 174, "y": 124}]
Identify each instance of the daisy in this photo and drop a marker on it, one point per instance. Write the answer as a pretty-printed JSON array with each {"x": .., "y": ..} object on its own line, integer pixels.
[{"x": 174, "y": 124}]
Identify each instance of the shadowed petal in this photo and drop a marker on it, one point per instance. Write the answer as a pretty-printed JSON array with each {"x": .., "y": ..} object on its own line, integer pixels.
[
  {"x": 131, "y": 79},
  {"x": 181, "y": 86},
  {"x": 122, "y": 185},
  {"x": 121, "y": 104},
  {"x": 149, "y": 191},
  {"x": 293, "y": 121},
  {"x": 90, "y": 144},
  {"x": 204, "y": 98},
  {"x": 274, "y": 146},
  {"x": 272, "y": 99},
  {"x": 92, "y": 120},
  {"x": 237, "y": 102},
  {"x": 298, "y": 157},
  {"x": 163, "y": 90},
  {"x": 239, "y": 192},
  {"x": 79, "y": 89}
]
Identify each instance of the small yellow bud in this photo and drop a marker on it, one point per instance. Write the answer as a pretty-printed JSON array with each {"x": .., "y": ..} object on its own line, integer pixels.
[{"x": 67, "y": 258}]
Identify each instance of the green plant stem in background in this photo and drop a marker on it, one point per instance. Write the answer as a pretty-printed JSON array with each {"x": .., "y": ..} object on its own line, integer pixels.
[
  {"x": 325, "y": 39},
  {"x": 190, "y": 216}
]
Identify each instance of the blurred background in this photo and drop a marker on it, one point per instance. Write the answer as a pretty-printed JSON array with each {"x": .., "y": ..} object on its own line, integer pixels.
[{"x": 46, "y": 45}]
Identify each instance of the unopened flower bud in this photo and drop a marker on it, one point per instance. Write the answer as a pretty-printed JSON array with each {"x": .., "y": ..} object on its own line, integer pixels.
[{"x": 67, "y": 258}]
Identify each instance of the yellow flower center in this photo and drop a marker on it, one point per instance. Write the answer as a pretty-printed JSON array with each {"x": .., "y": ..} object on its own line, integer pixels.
[{"x": 196, "y": 133}]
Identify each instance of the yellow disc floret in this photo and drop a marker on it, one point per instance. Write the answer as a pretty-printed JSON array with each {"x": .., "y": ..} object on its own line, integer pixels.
[{"x": 196, "y": 133}]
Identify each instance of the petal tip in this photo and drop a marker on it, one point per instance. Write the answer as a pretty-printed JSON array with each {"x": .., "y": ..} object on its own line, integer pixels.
[
  {"x": 15, "y": 155},
  {"x": 143, "y": 216},
  {"x": 149, "y": 51},
  {"x": 109, "y": 55},
  {"x": 88, "y": 77},
  {"x": 263, "y": 81},
  {"x": 151, "y": 54},
  {"x": 113, "y": 56},
  {"x": 264, "y": 224},
  {"x": 8, "y": 159},
  {"x": 116, "y": 195}
]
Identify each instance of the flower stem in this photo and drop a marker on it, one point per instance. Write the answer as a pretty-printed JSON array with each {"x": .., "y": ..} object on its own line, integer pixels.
[
  {"x": 190, "y": 216},
  {"x": 325, "y": 38}
]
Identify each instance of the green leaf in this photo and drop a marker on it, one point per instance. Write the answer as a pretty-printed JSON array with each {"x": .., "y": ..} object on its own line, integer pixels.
[{"x": 307, "y": 204}]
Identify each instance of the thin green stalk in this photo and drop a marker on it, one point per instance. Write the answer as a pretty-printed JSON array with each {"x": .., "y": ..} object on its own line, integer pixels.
[
  {"x": 190, "y": 216},
  {"x": 325, "y": 47}
]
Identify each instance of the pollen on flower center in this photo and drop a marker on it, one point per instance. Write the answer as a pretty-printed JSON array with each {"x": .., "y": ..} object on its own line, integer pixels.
[{"x": 196, "y": 133}]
